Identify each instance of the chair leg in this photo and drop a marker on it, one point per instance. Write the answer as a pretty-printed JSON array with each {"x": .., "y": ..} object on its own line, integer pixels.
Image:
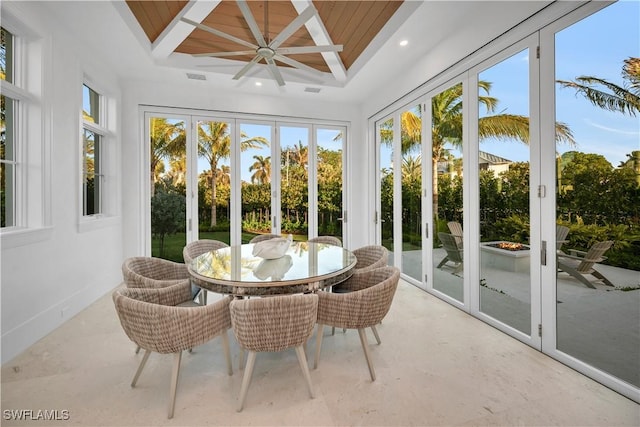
[
  {"x": 375, "y": 333},
  {"x": 140, "y": 367},
  {"x": 319, "y": 333},
  {"x": 302, "y": 358},
  {"x": 137, "y": 349},
  {"x": 174, "y": 383},
  {"x": 365, "y": 347},
  {"x": 246, "y": 380},
  {"x": 241, "y": 360},
  {"x": 227, "y": 351},
  {"x": 601, "y": 277}
]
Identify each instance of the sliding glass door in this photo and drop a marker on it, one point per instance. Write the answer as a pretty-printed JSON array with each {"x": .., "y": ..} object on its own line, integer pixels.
[{"x": 216, "y": 178}]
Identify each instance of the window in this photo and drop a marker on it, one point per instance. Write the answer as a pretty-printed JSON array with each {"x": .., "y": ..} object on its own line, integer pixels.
[
  {"x": 7, "y": 135},
  {"x": 92, "y": 152}
]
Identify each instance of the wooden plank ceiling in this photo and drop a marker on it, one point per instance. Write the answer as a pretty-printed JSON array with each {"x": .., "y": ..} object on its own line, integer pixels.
[{"x": 352, "y": 24}]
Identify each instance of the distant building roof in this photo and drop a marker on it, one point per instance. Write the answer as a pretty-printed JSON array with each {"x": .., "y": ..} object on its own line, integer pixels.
[{"x": 492, "y": 158}]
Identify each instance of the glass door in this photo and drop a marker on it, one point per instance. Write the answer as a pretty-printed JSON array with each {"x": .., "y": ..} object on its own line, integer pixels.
[
  {"x": 504, "y": 188},
  {"x": 446, "y": 133},
  {"x": 329, "y": 175},
  {"x": 385, "y": 131},
  {"x": 596, "y": 301},
  {"x": 294, "y": 179},
  {"x": 167, "y": 137},
  {"x": 256, "y": 160},
  {"x": 411, "y": 178},
  {"x": 212, "y": 209}
]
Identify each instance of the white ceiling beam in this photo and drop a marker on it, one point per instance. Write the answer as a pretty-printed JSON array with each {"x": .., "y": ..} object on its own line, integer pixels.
[
  {"x": 177, "y": 31},
  {"x": 321, "y": 37}
]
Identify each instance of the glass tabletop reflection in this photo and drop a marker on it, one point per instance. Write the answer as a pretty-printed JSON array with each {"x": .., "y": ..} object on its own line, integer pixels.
[{"x": 304, "y": 262}]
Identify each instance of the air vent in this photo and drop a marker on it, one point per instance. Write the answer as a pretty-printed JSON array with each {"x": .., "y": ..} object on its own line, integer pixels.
[
  {"x": 312, "y": 89},
  {"x": 196, "y": 76}
]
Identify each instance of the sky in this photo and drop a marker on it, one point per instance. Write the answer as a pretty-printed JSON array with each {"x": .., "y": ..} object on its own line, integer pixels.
[{"x": 595, "y": 46}]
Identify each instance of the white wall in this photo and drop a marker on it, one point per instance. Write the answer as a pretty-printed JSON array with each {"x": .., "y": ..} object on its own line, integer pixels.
[{"x": 44, "y": 283}]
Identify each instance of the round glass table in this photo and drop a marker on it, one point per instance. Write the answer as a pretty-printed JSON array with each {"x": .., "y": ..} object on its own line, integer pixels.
[{"x": 305, "y": 267}]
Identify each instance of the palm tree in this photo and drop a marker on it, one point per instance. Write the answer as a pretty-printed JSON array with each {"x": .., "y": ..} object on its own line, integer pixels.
[
  {"x": 447, "y": 127},
  {"x": 609, "y": 96},
  {"x": 167, "y": 141},
  {"x": 261, "y": 169},
  {"x": 411, "y": 168},
  {"x": 214, "y": 144}
]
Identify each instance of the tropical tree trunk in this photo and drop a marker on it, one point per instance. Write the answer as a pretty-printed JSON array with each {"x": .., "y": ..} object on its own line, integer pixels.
[
  {"x": 434, "y": 189},
  {"x": 214, "y": 195}
]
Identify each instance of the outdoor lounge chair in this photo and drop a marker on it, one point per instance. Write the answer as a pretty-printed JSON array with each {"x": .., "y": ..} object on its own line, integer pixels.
[
  {"x": 561, "y": 238},
  {"x": 454, "y": 252},
  {"x": 456, "y": 230},
  {"x": 578, "y": 264}
]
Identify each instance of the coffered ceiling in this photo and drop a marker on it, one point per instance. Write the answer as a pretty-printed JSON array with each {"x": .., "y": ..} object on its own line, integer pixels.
[{"x": 316, "y": 40}]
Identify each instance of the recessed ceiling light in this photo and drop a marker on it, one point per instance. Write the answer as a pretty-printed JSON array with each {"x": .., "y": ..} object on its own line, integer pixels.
[
  {"x": 258, "y": 83},
  {"x": 404, "y": 42},
  {"x": 193, "y": 76}
]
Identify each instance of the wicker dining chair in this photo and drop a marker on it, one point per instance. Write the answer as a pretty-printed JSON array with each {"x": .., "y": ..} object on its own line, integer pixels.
[
  {"x": 331, "y": 240},
  {"x": 368, "y": 258},
  {"x": 263, "y": 237},
  {"x": 194, "y": 249},
  {"x": 153, "y": 319},
  {"x": 154, "y": 273},
  {"x": 273, "y": 324},
  {"x": 358, "y": 309}
]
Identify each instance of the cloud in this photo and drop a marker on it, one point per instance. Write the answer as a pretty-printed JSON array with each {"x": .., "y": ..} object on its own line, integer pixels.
[{"x": 613, "y": 130}]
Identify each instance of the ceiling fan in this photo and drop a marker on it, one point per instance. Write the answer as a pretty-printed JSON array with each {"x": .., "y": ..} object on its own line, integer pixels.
[{"x": 268, "y": 50}]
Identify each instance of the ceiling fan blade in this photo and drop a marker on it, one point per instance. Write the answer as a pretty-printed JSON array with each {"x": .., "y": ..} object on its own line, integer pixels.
[
  {"x": 273, "y": 69},
  {"x": 309, "y": 49},
  {"x": 219, "y": 33},
  {"x": 247, "y": 67},
  {"x": 253, "y": 25},
  {"x": 293, "y": 27},
  {"x": 299, "y": 65},
  {"x": 223, "y": 54}
]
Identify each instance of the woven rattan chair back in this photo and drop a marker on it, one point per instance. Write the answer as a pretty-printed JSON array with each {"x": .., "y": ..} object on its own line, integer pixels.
[
  {"x": 331, "y": 240},
  {"x": 370, "y": 257},
  {"x": 154, "y": 273},
  {"x": 153, "y": 319},
  {"x": 193, "y": 249},
  {"x": 358, "y": 309},
  {"x": 273, "y": 324}
]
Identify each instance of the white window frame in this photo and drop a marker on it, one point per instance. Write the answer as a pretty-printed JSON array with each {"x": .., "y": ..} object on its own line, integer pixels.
[
  {"x": 32, "y": 139},
  {"x": 107, "y": 157}
]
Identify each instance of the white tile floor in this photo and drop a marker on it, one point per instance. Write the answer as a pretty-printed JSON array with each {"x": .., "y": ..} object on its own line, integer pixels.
[{"x": 436, "y": 366}]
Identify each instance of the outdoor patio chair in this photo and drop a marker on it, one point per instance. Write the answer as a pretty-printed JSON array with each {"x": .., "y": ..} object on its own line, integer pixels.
[
  {"x": 454, "y": 252},
  {"x": 153, "y": 319},
  {"x": 456, "y": 230},
  {"x": 263, "y": 237},
  {"x": 331, "y": 240},
  {"x": 359, "y": 309},
  {"x": 273, "y": 324},
  {"x": 194, "y": 249},
  {"x": 561, "y": 238},
  {"x": 578, "y": 263}
]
